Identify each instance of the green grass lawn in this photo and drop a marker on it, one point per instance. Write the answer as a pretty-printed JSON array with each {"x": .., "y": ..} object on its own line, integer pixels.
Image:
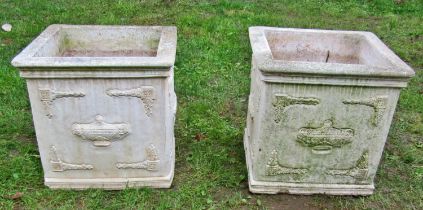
[{"x": 212, "y": 83}]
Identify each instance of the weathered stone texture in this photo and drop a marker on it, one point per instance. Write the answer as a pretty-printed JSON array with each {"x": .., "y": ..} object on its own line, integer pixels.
[{"x": 320, "y": 109}]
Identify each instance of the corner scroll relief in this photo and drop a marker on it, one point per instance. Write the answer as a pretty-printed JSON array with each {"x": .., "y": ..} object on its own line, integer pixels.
[
  {"x": 282, "y": 101},
  {"x": 323, "y": 139},
  {"x": 150, "y": 164},
  {"x": 47, "y": 96},
  {"x": 359, "y": 171},
  {"x": 100, "y": 132},
  {"x": 379, "y": 105},
  {"x": 58, "y": 165},
  {"x": 146, "y": 94},
  {"x": 273, "y": 167}
]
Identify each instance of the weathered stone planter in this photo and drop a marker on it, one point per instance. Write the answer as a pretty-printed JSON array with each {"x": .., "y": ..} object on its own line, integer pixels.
[
  {"x": 103, "y": 104},
  {"x": 320, "y": 109}
]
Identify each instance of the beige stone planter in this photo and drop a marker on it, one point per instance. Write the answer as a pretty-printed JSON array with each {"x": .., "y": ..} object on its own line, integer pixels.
[
  {"x": 320, "y": 109},
  {"x": 103, "y": 104}
]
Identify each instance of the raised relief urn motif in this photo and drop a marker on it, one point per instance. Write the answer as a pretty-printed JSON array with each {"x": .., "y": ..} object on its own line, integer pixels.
[
  {"x": 323, "y": 139},
  {"x": 101, "y": 133}
]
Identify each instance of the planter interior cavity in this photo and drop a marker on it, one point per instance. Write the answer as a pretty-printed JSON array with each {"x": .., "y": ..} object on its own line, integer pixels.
[
  {"x": 100, "y": 46},
  {"x": 314, "y": 47},
  {"x": 103, "y": 104},
  {"x": 102, "y": 42},
  {"x": 320, "y": 108}
]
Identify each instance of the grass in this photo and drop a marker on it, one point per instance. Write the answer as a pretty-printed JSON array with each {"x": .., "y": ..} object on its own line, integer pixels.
[{"x": 212, "y": 84}]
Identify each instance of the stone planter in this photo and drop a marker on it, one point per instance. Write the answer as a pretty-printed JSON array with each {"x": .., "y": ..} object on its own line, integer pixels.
[
  {"x": 103, "y": 104},
  {"x": 320, "y": 109}
]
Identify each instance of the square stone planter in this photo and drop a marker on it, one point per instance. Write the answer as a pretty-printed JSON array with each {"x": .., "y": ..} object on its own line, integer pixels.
[
  {"x": 320, "y": 109},
  {"x": 103, "y": 104}
]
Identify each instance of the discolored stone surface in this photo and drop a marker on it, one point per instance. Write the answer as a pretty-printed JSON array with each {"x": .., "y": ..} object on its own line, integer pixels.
[{"x": 320, "y": 109}]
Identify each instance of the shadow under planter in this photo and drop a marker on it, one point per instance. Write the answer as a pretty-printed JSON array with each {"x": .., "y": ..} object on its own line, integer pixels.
[
  {"x": 320, "y": 109},
  {"x": 103, "y": 104}
]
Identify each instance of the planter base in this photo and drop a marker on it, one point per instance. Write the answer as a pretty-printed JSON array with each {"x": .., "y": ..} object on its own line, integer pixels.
[
  {"x": 267, "y": 187},
  {"x": 309, "y": 189},
  {"x": 109, "y": 183}
]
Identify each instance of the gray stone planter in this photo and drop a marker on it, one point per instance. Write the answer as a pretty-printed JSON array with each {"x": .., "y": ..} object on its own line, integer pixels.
[
  {"x": 320, "y": 109},
  {"x": 103, "y": 104}
]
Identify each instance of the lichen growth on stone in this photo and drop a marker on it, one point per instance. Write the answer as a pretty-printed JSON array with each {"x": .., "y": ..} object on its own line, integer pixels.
[
  {"x": 377, "y": 103},
  {"x": 327, "y": 135},
  {"x": 282, "y": 101},
  {"x": 359, "y": 171},
  {"x": 274, "y": 168}
]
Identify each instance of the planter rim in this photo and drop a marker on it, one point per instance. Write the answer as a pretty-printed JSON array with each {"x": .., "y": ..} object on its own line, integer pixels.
[
  {"x": 165, "y": 53},
  {"x": 265, "y": 61}
]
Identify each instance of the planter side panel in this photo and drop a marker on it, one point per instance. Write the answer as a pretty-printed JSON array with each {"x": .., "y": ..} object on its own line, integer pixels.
[
  {"x": 320, "y": 134},
  {"x": 104, "y": 128}
]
